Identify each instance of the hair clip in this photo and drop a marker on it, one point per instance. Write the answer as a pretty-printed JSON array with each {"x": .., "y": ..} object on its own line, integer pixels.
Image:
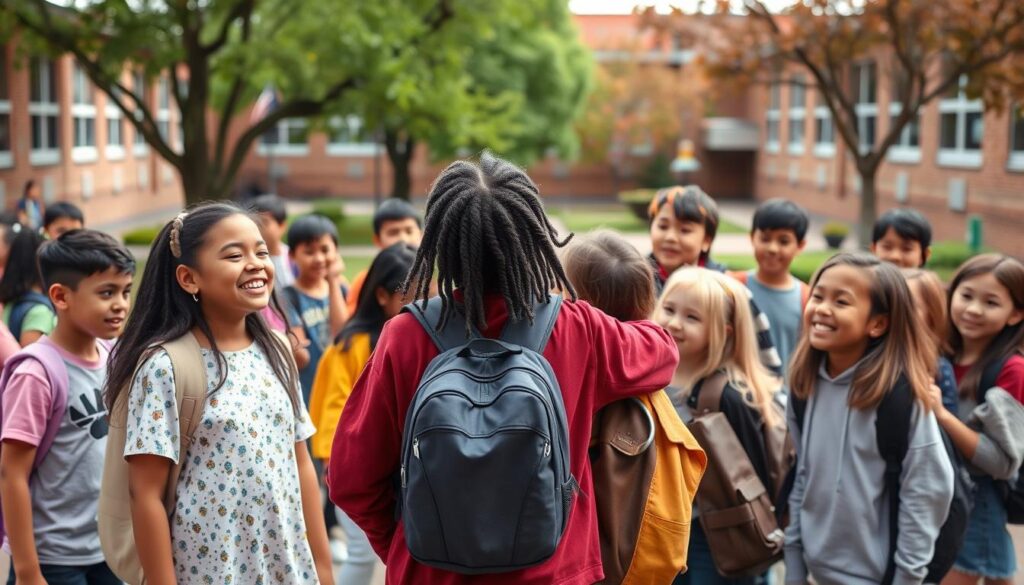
[{"x": 176, "y": 224}]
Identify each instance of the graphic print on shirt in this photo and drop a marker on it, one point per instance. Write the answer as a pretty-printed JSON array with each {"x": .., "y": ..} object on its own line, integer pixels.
[{"x": 93, "y": 413}]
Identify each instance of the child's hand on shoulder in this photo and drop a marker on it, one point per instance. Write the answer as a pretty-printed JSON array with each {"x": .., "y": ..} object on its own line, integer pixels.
[{"x": 935, "y": 397}]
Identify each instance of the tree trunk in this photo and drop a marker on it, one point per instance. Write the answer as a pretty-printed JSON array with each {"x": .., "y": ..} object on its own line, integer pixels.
[
  {"x": 868, "y": 205},
  {"x": 400, "y": 151}
]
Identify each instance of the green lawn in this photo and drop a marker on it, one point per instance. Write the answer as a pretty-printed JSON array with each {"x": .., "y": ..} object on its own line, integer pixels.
[
  {"x": 806, "y": 264},
  {"x": 582, "y": 219}
]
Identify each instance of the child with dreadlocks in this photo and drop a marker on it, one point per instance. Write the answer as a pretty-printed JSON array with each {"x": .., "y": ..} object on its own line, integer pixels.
[
  {"x": 684, "y": 221},
  {"x": 495, "y": 253}
]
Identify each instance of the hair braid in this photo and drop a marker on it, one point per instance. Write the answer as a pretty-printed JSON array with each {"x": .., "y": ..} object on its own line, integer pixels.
[{"x": 485, "y": 232}]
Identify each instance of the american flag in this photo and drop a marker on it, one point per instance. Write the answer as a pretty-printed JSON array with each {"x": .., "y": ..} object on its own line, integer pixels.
[{"x": 265, "y": 103}]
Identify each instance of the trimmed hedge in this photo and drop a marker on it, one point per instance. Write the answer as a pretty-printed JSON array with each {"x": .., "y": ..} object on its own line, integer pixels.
[{"x": 142, "y": 236}]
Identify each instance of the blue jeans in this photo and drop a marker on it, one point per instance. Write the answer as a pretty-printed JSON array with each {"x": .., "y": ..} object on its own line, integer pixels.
[
  {"x": 98, "y": 574},
  {"x": 700, "y": 566},
  {"x": 987, "y": 550}
]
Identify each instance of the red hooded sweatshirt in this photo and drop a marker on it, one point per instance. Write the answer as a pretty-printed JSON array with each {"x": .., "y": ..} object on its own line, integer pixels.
[{"x": 596, "y": 360}]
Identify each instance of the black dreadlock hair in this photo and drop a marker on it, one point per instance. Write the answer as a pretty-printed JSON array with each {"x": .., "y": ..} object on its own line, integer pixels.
[{"x": 486, "y": 231}]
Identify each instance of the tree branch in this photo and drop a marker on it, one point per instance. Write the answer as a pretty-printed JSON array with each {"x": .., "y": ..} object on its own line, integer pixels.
[
  {"x": 242, "y": 10},
  {"x": 147, "y": 126}
]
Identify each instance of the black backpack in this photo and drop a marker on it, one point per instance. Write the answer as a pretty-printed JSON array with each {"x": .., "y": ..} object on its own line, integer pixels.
[
  {"x": 485, "y": 480},
  {"x": 20, "y": 309},
  {"x": 1012, "y": 491},
  {"x": 892, "y": 432}
]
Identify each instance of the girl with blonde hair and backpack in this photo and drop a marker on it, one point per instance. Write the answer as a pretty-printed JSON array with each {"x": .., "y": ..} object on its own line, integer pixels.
[
  {"x": 232, "y": 492},
  {"x": 720, "y": 373}
]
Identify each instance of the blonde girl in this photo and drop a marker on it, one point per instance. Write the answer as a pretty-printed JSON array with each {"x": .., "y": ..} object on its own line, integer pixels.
[
  {"x": 861, "y": 343},
  {"x": 708, "y": 315},
  {"x": 929, "y": 296}
]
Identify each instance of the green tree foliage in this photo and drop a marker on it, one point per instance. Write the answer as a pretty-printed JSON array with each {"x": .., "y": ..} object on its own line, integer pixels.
[{"x": 325, "y": 57}]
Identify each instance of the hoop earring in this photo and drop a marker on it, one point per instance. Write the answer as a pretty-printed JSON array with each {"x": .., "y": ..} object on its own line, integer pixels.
[{"x": 195, "y": 297}]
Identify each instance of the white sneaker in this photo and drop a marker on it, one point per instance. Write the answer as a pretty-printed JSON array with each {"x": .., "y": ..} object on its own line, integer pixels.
[{"x": 339, "y": 551}]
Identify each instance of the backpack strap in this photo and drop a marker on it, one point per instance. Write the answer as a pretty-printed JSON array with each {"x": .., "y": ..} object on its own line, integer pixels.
[
  {"x": 989, "y": 376},
  {"x": 21, "y": 308},
  {"x": 190, "y": 392},
  {"x": 534, "y": 336},
  {"x": 709, "y": 393},
  {"x": 428, "y": 314},
  {"x": 57, "y": 372},
  {"x": 892, "y": 432}
]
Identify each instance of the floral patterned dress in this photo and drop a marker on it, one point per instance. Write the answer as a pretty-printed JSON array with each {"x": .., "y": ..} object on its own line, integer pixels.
[{"x": 238, "y": 518}]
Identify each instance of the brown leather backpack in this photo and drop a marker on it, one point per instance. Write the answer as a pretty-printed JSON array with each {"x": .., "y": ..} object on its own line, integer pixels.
[
  {"x": 737, "y": 511},
  {"x": 646, "y": 468}
]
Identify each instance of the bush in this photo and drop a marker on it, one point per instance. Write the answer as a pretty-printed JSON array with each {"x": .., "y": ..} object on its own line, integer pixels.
[
  {"x": 332, "y": 211},
  {"x": 950, "y": 254},
  {"x": 142, "y": 236},
  {"x": 638, "y": 200},
  {"x": 835, "y": 228}
]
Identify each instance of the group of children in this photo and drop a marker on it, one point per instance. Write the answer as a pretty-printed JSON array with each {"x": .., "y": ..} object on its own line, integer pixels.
[{"x": 248, "y": 504}]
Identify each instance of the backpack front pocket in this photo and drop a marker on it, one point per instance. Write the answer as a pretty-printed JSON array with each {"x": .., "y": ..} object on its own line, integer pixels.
[{"x": 487, "y": 527}]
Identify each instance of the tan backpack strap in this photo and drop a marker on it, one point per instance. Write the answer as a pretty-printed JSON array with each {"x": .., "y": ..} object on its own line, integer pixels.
[
  {"x": 190, "y": 393},
  {"x": 711, "y": 390}
]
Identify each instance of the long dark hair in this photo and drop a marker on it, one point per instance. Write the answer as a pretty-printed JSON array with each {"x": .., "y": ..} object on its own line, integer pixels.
[
  {"x": 486, "y": 232},
  {"x": 388, "y": 271},
  {"x": 1010, "y": 273},
  {"x": 21, "y": 274},
  {"x": 901, "y": 352},
  {"x": 164, "y": 311}
]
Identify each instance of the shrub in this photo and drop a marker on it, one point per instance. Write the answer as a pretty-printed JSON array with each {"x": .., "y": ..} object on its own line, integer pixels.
[
  {"x": 142, "y": 236},
  {"x": 332, "y": 211},
  {"x": 835, "y": 228},
  {"x": 950, "y": 254},
  {"x": 638, "y": 200}
]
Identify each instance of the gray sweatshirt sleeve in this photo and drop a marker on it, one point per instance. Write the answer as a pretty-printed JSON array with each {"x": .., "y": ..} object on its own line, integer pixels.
[
  {"x": 796, "y": 567},
  {"x": 992, "y": 460},
  {"x": 926, "y": 490}
]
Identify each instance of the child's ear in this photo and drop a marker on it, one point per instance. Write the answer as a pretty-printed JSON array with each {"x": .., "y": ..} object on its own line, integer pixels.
[
  {"x": 801, "y": 244},
  {"x": 376, "y": 240},
  {"x": 186, "y": 278},
  {"x": 382, "y": 295},
  {"x": 878, "y": 325},
  {"x": 1015, "y": 318},
  {"x": 728, "y": 330},
  {"x": 927, "y": 255},
  {"x": 58, "y": 294}
]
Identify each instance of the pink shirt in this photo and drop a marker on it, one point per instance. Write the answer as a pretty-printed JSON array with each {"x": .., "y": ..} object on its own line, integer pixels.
[
  {"x": 8, "y": 344},
  {"x": 28, "y": 398}
]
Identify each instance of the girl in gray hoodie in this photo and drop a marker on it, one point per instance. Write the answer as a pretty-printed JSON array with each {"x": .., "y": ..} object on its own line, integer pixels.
[{"x": 860, "y": 341}]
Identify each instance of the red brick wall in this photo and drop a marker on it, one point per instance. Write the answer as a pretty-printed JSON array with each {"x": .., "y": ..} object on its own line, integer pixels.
[{"x": 104, "y": 206}]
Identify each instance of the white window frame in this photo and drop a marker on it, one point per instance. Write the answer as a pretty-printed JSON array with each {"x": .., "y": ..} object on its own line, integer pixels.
[
  {"x": 283, "y": 148},
  {"x": 49, "y": 107},
  {"x": 901, "y": 151},
  {"x": 863, "y": 108},
  {"x": 355, "y": 149},
  {"x": 140, "y": 148},
  {"x": 6, "y": 156},
  {"x": 163, "y": 108},
  {"x": 113, "y": 114},
  {"x": 797, "y": 116},
  {"x": 773, "y": 118},
  {"x": 83, "y": 111},
  {"x": 1015, "y": 162},
  {"x": 824, "y": 149},
  {"x": 960, "y": 156}
]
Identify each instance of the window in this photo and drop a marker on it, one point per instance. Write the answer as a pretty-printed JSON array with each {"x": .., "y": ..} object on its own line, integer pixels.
[
  {"x": 773, "y": 118},
  {"x": 6, "y": 160},
  {"x": 797, "y": 114},
  {"x": 288, "y": 138},
  {"x": 83, "y": 115},
  {"x": 163, "y": 108},
  {"x": 1016, "y": 161},
  {"x": 864, "y": 89},
  {"x": 907, "y": 149},
  {"x": 961, "y": 128},
  {"x": 44, "y": 110},
  {"x": 349, "y": 137},
  {"x": 824, "y": 129},
  {"x": 115, "y": 130},
  {"x": 139, "y": 146}
]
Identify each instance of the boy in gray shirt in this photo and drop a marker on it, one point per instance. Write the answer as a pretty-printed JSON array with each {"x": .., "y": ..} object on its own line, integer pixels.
[
  {"x": 778, "y": 234},
  {"x": 49, "y": 500}
]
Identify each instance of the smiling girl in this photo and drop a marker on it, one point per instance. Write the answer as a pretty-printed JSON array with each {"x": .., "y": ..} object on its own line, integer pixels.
[
  {"x": 986, "y": 310},
  {"x": 247, "y": 498},
  {"x": 860, "y": 345}
]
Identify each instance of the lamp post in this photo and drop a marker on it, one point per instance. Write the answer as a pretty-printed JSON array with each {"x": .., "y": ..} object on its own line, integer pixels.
[{"x": 685, "y": 162}]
